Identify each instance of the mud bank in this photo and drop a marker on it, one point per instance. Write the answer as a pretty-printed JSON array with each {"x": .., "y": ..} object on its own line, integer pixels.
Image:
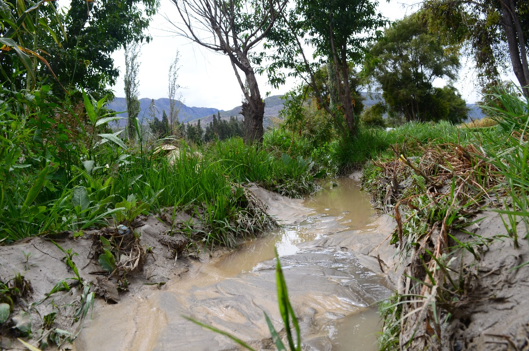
[
  {"x": 491, "y": 312},
  {"x": 55, "y": 287},
  {"x": 462, "y": 282},
  {"x": 494, "y": 314}
]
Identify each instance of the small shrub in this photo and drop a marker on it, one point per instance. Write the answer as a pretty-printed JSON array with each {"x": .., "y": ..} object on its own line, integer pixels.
[{"x": 373, "y": 117}]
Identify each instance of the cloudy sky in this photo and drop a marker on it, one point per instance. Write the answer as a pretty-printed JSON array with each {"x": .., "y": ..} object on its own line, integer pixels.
[{"x": 207, "y": 78}]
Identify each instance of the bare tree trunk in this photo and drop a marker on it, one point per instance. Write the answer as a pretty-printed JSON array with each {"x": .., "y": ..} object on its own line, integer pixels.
[
  {"x": 221, "y": 26},
  {"x": 516, "y": 44},
  {"x": 253, "y": 111}
]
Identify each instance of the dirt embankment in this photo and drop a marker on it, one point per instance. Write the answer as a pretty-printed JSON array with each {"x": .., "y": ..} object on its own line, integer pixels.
[
  {"x": 59, "y": 269},
  {"x": 463, "y": 284},
  {"x": 493, "y": 311},
  {"x": 49, "y": 284}
]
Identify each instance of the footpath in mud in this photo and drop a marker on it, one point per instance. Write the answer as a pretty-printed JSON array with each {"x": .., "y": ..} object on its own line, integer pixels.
[{"x": 330, "y": 249}]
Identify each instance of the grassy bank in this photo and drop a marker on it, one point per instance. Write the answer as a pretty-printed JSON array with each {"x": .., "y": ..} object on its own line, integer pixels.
[
  {"x": 434, "y": 180},
  {"x": 59, "y": 177}
]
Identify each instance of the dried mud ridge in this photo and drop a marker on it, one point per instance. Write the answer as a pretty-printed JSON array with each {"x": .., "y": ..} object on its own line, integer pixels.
[{"x": 460, "y": 288}]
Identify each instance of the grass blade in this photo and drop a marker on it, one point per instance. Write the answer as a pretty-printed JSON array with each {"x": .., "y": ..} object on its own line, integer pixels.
[
  {"x": 275, "y": 336},
  {"x": 218, "y": 331}
]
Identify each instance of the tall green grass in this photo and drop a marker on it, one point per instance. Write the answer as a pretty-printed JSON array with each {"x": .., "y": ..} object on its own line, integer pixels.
[
  {"x": 376, "y": 143},
  {"x": 276, "y": 171},
  {"x": 206, "y": 182},
  {"x": 510, "y": 154}
]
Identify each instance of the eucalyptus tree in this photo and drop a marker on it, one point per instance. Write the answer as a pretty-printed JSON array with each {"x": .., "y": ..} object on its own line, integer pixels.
[
  {"x": 339, "y": 33},
  {"x": 234, "y": 28},
  {"x": 496, "y": 31}
]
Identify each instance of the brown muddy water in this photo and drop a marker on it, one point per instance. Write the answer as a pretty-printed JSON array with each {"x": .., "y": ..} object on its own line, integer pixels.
[{"x": 332, "y": 293}]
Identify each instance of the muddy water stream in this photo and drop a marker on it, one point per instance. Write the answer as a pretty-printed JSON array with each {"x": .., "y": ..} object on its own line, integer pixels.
[{"x": 330, "y": 289}]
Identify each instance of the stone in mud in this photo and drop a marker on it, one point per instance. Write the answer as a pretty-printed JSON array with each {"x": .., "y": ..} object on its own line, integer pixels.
[
  {"x": 175, "y": 243},
  {"x": 106, "y": 289}
]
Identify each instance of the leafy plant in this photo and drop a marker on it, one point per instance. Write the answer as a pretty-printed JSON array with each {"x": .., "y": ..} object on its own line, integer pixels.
[
  {"x": 106, "y": 259},
  {"x": 5, "y": 311},
  {"x": 130, "y": 209}
]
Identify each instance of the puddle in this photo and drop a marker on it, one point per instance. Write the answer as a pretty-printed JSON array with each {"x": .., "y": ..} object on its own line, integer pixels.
[
  {"x": 328, "y": 286},
  {"x": 358, "y": 331}
]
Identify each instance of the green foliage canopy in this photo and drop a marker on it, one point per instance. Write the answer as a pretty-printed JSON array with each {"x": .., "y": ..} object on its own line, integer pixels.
[
  {"x": 494, "y": 31},
  {"x": 405, "y": 63},
  {"x": 77, "y": 41},
  {"x": 338, "y": 32}
]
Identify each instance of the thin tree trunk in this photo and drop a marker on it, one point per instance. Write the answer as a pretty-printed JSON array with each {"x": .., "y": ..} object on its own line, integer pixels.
[
  {"x": 514, "y": 50},
  {"x": 347, "y": 103},
  {"x": 521, "y": 41},
  {"x": 332, "y": 83}
]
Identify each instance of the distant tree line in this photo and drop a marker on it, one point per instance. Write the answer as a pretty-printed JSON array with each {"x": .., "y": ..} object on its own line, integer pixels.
[{"x": 218, "y": 129}]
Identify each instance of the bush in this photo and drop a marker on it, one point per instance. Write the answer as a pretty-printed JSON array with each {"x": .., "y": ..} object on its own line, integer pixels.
[{"x": 374, "y": 116}]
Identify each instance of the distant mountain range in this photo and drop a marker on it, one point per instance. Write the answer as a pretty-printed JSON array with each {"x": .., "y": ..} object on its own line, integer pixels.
[
  {"x": 273, "y": 105},
  {"x": 186, "y": 113}
]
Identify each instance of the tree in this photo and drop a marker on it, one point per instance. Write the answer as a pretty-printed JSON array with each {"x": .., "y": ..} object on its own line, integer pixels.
[
  {"x": 132, "y": 67},
  {"x": 373, "y": 116},
  {"x": 160, "y": 128},
  {"x": 95, "y": 29},
  {"x": 495, "y": 30},
  {"x": 233, "y": 28},
  {"x": 405, "y": 63},
  {"x": 22, "y": 28},
  {"x": 77, "y": 44},
  {"x": 446, "y": 104},
  {"x": 200, "y": 133},
  {"x": 339, "y": 32},
  {"x": 173, "y": 88}
]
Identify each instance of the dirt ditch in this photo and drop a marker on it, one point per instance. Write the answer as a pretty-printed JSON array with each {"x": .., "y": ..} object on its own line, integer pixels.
[
  {"x": 156, "y": 278},
  {"x": 462, "y": 284}
]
